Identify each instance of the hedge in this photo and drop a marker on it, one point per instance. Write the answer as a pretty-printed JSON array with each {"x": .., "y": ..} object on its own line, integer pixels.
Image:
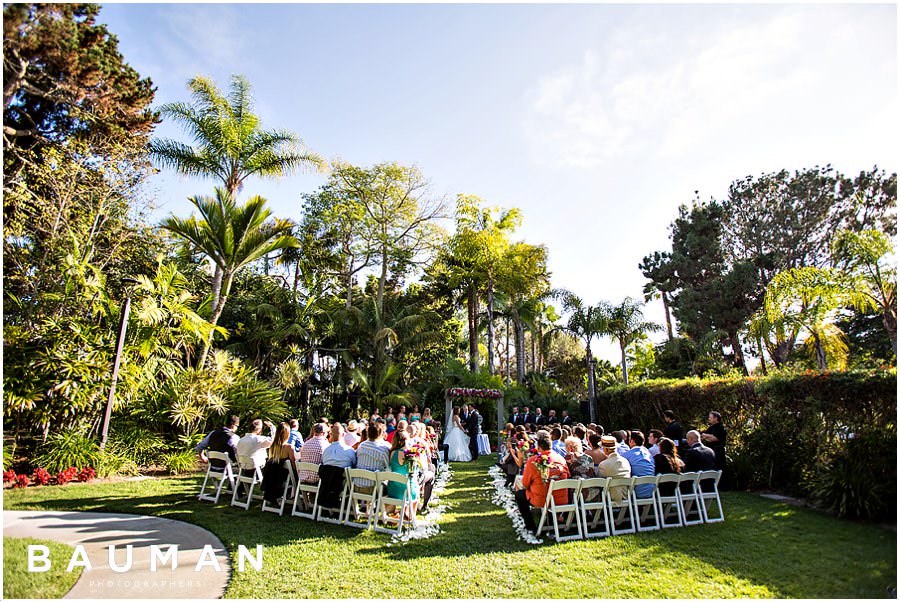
[{"x": 828, "y": 436}]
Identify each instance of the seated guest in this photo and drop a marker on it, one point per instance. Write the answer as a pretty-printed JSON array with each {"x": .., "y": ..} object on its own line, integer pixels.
[
  {"x": 580, "y": 432},
  {"x": 251, "y": 448},
  {"x": 614, "y": 466},
  {"x": 580, "y": 464},
  {"x": 274, "y": 472},
  {"x": 372, "y": 454},
  {"x": 351, "y": 437},
  {"x": 535, "y": 489},
  {"x": 399, "y": 465},
  {"x": 556, "y": 443},
  {"x": 391, "y": 426},
  {"x": 653, "y": 438},
  {"x": 312, "y": 452},
  {"x": 295, "y": 438},
  {"x": 698, "y": 457},
  {"x": 595, "y": 451},
  {"x": 339, "y": 454},
  {"x": 641, "y": 463},
  {"x": 621, "y": 441},
  {"x": 222, "y": 439},
  {"x": 667, "y": 462}
]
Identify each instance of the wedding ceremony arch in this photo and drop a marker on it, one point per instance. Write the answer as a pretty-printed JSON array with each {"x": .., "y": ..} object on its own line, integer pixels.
[{"x": 475, "y": 394}]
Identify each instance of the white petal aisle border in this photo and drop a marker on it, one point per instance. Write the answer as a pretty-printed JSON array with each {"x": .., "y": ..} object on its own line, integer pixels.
[
  {"x": 504, "y": 497},
  {"x": 426, "y": 525}
]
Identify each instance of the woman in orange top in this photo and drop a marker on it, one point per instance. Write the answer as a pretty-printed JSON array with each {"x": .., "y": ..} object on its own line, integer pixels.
[{"x": 535, "y": 491}]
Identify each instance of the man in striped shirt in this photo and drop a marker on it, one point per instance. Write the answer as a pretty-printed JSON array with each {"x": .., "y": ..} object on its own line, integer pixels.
[
  {"x": 312, "y": 452},
  {"x": 372, "y": 454}
]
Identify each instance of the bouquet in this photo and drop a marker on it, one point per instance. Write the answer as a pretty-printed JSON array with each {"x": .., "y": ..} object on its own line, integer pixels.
[
  {"x": 414, "y": 457},
  {"x": 542, "y": 463}
]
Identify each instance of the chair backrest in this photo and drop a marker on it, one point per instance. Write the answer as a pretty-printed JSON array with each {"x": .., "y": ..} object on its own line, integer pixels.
[
  {"x": 308, "y": 466},
  {"x": 395, "y": 477},
  {"x": 667, "y": 478},
  {"x": 623, "y": 487},
  {"x": 246, "y": 462},
  {"x": 648, "y": 480},
  {"x": 361, "y": 473},
  {"x": 214, "y": 455},
  {"x": 715, "y": 475},
  {"x": 690, "y": 479},
  {"x": 601, "y": 483},
  {"x": 564, "y": 484}
]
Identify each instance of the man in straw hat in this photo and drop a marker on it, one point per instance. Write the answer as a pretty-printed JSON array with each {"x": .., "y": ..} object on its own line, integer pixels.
[{"x": 614, "y": 466}]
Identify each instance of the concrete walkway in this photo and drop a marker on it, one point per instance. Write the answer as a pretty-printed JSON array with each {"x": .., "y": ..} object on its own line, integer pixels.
[{"x": 98, "y": 531}]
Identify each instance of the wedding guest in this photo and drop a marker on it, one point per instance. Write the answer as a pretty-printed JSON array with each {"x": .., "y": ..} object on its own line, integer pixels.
[
  {"x": 338, "y": 454},
  {"x": 539, "y": 418},
  {"x": 714, "y": 437},
  {"x": 641, "y": 463},
  {"x": 595, "y": 451},
  {"x": 274, "y": 473},
  {"x": 391, "y": 426},
  {"x": 372, "y": 454},
  {"x": 224, "y": 440},
  {"x": 551, "y": 418},
  {"x": 251, "y": 449},
  {"x": 667, "y": 462},
  {"x": 580, "y": 432},
  {"x": 514, "y": 417},
  {"x": 673, "y": 427},
  {"x": 312, "y": 452},
  {"x": 527, "y": 416},
  {"x": 351, "y": 437},
  {"x": 566, "y": 419},
  {"x": 556, "y": 443},
  {"x": 613, "y": 466},
  {"x": 535, "y": 489},
  {"x": 698, "y": 457},
  {"x": 580, "y": 464},
  {"x": 653, "y": 438},
  {"x": 621, "y": 441},
  {"x": 399, "y": 465}
]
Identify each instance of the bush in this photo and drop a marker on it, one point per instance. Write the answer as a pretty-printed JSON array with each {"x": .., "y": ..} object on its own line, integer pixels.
[
  {"x": 86, "y": 475},
  {"x": 113, "y": 462},
  {"x": 21, "y": 481},
  {"x": 141, "y": 445},
  {"x": 41, "y": 476},
  {"x": 66, "y": 475},
  {"x": 68, "y": 448},
  {"x": 180, "y": 462},
  {"x": 785, "y": 432}
]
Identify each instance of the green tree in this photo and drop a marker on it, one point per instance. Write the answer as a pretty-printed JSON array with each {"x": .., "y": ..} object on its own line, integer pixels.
[
  {"x": 625, "y": 323},
  {"x": 231, "y": 236},
  {"x": 584, "y": 322},
  {"x": 657, "y": 267}
]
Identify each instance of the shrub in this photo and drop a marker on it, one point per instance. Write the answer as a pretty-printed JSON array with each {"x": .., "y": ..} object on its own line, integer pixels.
[
  {"x": 21, "y": 481},
  {"x": 68, "y": 448},
  {"x": 141, "y": 445},
  {"x": 179, "y": 462},
  {"x": 41, "y": 476},
  {"x": 86, "y": 474},
  {"x": 9, "y": 476},
  {"x": 66, "y": 475},
  {"x": 113, "y": 462}
]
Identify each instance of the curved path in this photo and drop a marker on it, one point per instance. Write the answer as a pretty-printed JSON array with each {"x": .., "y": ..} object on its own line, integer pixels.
[{"x": 97, "y": 531}]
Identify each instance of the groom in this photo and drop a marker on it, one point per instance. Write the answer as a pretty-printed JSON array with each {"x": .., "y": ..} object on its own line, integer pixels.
[{"x": 473, "y": 429}]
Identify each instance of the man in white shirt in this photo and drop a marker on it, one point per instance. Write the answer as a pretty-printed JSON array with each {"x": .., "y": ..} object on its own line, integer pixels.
[
  {"x": 653, "y": 438},
  {"x": 251, "y": 448}
]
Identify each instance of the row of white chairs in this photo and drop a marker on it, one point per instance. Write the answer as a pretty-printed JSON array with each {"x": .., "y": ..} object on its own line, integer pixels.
[
  {"x": 358, "y": 508},
  {"x": 596, "y": 512}
]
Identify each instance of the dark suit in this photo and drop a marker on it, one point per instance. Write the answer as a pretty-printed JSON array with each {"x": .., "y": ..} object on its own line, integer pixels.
[
  {"x": 699, "y": 457},
  {"x": 529, "y": 418},
  {"x": 540, "y": 420},
  {"x": 473, "y": 429},
  {"x": 515, "y": 419},
  {"x": 552, "y": 420},
  {"x": 567, "y": 420}
]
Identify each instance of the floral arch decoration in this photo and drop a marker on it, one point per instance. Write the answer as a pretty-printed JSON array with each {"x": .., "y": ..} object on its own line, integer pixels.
[{"x": 467, "y": 393}]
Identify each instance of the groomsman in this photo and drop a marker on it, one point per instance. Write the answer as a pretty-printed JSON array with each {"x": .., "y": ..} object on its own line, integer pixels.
[
  {"x": 551, "y": 417},
  {"x": 528, "y": 417},
  {"x": 566, "y": 419},
  {"x": 516, "y": 417},
  {"x": 539, "y": 418}
]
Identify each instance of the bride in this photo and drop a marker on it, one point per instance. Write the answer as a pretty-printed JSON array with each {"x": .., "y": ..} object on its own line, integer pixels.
[{"x": 457, "y": 440}]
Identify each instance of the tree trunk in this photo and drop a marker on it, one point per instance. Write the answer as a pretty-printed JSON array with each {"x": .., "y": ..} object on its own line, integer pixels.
[
  {"x": 738, "y": 353},
  {"x": 762, "y": 357},
  {"x": 533, "y": 352},
  {"x": 821, "y": 358},
  {"x": 226, "y": 286},
  {"x": 520, "y": 351},
  {"x": 592, "y": 385},
  {"x": 216, "y": 289},
  {"x": 508, "y": 328},
  {"x": 540, "y": 347},
  {"x": 624, "y": 364},
  {"x": 490, "y": 327},
  {"x": 890, "y": 322},
  {"x": 382, "y": 280},
  {"x": 665, "y": 300},
  {"x": 473, "y": 328}
]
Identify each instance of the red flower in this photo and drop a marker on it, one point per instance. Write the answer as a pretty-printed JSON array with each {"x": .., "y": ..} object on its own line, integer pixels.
[
  {"x": 41, "y": 476},
  {"x": 86, "y": 474},
  {"x": 9, "y": 476},
  {"x": 21, "y": 480},
  {"x": 66, "y": 475}
]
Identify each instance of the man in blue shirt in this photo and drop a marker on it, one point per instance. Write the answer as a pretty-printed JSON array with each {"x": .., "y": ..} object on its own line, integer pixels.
[
  {"x": 295, "y": 438},
  {"x": 641, "y": 463},
  {"x": 339, "y": 453},
  {"x": 556, "y": 443}
]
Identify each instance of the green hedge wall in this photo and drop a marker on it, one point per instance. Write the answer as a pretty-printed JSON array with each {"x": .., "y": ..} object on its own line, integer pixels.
[{"x": 827, "y": 436}]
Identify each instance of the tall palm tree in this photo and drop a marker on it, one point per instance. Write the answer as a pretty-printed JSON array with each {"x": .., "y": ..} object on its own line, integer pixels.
[
  {"x": 231, "y": 236},
  {"x": 585, "y": 322},
  {"x": 625, "y": 323},
  {"x": 230, "y": 145}
]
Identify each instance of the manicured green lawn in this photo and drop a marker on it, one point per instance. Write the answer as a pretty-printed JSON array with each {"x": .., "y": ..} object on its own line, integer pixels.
[
  {"x": 764, "y": 549},
  {"x": 19, "y": 583}
]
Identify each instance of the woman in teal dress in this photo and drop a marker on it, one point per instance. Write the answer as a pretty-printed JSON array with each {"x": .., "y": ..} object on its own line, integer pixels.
[
  {"x": 399, "y": 465},
  {"x": 426, "y": 416},
  {"x": 415, "y": 416}
]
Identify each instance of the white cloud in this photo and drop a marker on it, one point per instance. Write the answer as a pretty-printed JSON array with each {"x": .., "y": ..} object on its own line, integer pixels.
[{"x": 776, "y": 79}]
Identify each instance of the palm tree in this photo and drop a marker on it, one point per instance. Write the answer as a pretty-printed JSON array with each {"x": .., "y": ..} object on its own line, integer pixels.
[
  {"x": 230, "y": 146},
  {"x": 625, "y": 323},
  {"x": 584, "y": 322},
  {"x": 231, "y": 236}
]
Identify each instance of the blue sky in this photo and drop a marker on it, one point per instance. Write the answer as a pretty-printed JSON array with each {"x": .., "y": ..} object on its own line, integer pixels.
[{"x": 596, "y": 120}]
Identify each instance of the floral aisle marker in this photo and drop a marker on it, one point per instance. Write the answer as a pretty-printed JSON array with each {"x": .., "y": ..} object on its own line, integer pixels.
[
  {"x": 504, "y": 498},
  {"x": 426, "y": 525}
]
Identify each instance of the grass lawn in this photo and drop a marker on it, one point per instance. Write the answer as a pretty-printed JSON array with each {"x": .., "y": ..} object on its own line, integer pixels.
[
  {"x": 764, "y": 549},
  {"x": 19, "y": 583}
]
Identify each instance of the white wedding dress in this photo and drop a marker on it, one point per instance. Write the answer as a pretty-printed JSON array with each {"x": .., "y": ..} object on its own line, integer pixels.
[{"x": 457, "y": 442}]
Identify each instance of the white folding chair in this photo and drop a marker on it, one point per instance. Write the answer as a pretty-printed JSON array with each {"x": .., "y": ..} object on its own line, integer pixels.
[
  {"x": 555, "y": 511},
  {"x": 355, "y": 497},
  {"x": 711, "y": 496},
  {"x": 321, "y": 509},
  {"x": 689, "y": 493},
  {"x": 307, "y": 494},
  {"x": 405, "y": 503},
  {"x": 644, "y": 505},
  {"x": 250, "y": 482},
  {"x": 287, "y": 492},
  {"x": 596, "y": 489},
  {"x": 666, "y": 503},
  {"x": 213, "y": 474},
  {"x": 626, "y": 486}
]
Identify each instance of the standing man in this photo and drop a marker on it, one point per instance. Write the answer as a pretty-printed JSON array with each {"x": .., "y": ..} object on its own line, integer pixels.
[
  {"x": 514, "y": 419},
  {"x": 527, "y": 417},
  {"x": 566, "y": 419},
  {"x": 673, "y": 429},
  {"x": 473, "y": 428},
  {"x": 551, "y": 418},
  {"x": 539, "y": 418},
  {"x": 714, "y": 437}
]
